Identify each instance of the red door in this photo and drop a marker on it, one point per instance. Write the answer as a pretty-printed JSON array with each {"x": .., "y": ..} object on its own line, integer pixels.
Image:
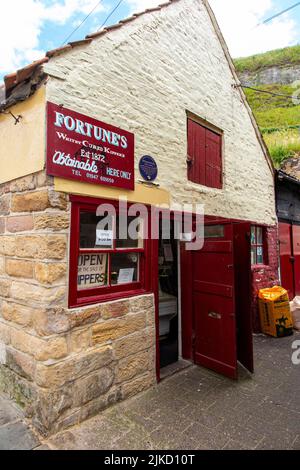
[
  {"x": 286, "y": 258},
  {"x": 296, "y": 256},
  {"x": 214, "y": 301}
]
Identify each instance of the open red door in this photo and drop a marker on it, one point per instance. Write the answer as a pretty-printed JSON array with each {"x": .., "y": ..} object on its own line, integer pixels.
[
  {"x": 214, "y": 301},
  {"x": 286, "y": 258},
  {"x": 296, "y": 259},
  {"x": 242, "y": 269}
]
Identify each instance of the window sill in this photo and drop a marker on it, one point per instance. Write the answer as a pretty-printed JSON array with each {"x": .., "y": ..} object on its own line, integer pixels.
[
  {"x": 203, "y": 189},
  {"x": 96, "y": 300}
]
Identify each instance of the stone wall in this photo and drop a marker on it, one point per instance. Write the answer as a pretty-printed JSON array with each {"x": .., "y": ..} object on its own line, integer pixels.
[
  {"x": 61, "y": 365},
  {"x": 264, "y": 276}
]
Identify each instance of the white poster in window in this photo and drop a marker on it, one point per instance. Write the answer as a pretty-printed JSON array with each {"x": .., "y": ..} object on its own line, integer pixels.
[
  {"x": 104, "y": 238},
  {"x": 126, "y": 276},
  {"x": 168, "y": 253},
  {"x": 92, "y": 271}
]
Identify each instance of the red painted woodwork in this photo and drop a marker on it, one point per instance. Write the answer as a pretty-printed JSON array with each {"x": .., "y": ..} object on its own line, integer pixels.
[
  {"x": 205, "y": 156},
  {"x": 196, "y": 152},
  {"x": 242, "y": 275},
  {"x": 107, "y": 293},
  {"x": 186, "y": 302},
  {"x": 296, "y": 255},
  {"x": 214, "y": 305},
  {"x": 84, "y": 149},
  {"x": 286, "y": 258},
  {"x": 213, "y": 160}
]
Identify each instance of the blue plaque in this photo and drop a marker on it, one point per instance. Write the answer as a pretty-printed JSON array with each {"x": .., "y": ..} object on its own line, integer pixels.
[{"x": 148, "y": 168}]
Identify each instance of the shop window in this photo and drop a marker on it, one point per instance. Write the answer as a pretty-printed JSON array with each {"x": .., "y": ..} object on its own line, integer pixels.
[
  {"x": 204, "y": 156},
  {"x": 107, "y": 255},
  {"x": 258, "y": 249}
]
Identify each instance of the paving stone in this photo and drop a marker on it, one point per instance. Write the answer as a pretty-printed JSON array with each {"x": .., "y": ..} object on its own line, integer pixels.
[
  {"x": 17, "y": 436},
  {"x": 8, "y": 412},
  {"x": 296, "y": 443},
  {"x": 235, "y": 445},
  {"x": 198, "y": 409}
]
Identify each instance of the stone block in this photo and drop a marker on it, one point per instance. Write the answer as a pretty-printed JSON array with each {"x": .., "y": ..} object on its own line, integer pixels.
[
  {"x": 42, "y": 179},
  {"x": 51, "y": 221},
  {"x": 51, "y": 321},
  {"x": 30, "y": 202},
  {"x": 40, "y": 247},
  {"x": 2, "y": 225},
  {"x": 49, "y": 273},
  {"x": 134, "y": 365},
  {"x": 93, "y": 386},
  {"x": 37, "y": 295},
  {"x": 40, "y": 349},
  {"x": 115, "y": 309},
  {"x": 19, "y": 268},
  {"x": 98, "y": 404},
  {"x": 20, "y": 223},
  {"x": 7, "y": 245},
  {"x": 80, "y": 340},
  {"x": 5, "y": 331},
  {"x": 72, "y": 368},
  {"x": 138, "y": 385},
  {"x": 5, "y": 286},
  {"x": 85, "y": 316},
  {"x": 139, "y": 304},
  {"x": 27, "y": 183},
  {"x": 50, "y": 406},
  {"x": 17, "y": 313},
  {"x": 2, "y": 265},
  {"x": 134, "y": 343},
  {"x": 58, "y": 200},
  {"x": 113, "y": 329},
  {"x": 22, "y": 391},
  {"x": 5, "y": 201},
  {"x": 21, "y": 363},
  {"x": 55, "y": 348}
]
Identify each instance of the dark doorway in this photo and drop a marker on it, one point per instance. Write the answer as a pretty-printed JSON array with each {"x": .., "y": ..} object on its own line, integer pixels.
[{"x": 168, "y": 294}]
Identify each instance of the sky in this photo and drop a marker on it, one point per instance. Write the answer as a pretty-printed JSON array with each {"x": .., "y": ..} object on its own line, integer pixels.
[{"x": 31, "y": 27}]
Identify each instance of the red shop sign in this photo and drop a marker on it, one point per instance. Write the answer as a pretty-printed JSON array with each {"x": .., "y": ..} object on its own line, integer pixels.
[{"x": 84, "y": 149}]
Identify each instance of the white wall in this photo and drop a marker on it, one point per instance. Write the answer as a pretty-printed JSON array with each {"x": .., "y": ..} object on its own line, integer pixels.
[{"x": 144, "y": 76}]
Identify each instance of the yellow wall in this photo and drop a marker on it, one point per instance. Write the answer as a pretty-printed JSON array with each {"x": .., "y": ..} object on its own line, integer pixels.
[
  {"x": 22, "y": 146},
  {"x": 142, "y": 194}
]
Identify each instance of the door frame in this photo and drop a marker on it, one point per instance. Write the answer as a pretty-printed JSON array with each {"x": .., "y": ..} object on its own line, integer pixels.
[{"x": 155, "y": 247}]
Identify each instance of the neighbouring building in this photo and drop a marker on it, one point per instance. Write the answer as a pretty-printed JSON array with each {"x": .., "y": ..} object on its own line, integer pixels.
[
  {"x": 288, "y": 212},
  {"x": 86, "y": 318}
]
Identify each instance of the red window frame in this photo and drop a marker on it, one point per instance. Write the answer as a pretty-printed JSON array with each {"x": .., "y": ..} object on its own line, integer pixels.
[
  {"x": 256, "y": 245},
  {"x": 107, "y": 293},
  {"x": 205, "y": 163}
]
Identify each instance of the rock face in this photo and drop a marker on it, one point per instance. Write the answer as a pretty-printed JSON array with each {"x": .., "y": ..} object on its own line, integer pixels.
[
  {"x": 283, "y": 75},
  {"x": 61, "y": 365},
  {"x": 292, "y": 167}
]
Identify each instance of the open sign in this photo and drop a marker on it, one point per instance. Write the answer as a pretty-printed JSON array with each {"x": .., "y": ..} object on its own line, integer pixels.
[{"x": 92, "y": 270}]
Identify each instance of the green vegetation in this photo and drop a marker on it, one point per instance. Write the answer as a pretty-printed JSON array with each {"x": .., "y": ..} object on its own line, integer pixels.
[
  {"x": 278, "y": 57},
  {"x": 279, "y": 120},
  {"x": 283, "y": 144}
]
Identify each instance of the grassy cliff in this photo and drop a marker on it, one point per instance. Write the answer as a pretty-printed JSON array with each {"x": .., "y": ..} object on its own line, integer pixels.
[
  {"x": 278, "y": 117},
  {"x": 278, "y": 58}
]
